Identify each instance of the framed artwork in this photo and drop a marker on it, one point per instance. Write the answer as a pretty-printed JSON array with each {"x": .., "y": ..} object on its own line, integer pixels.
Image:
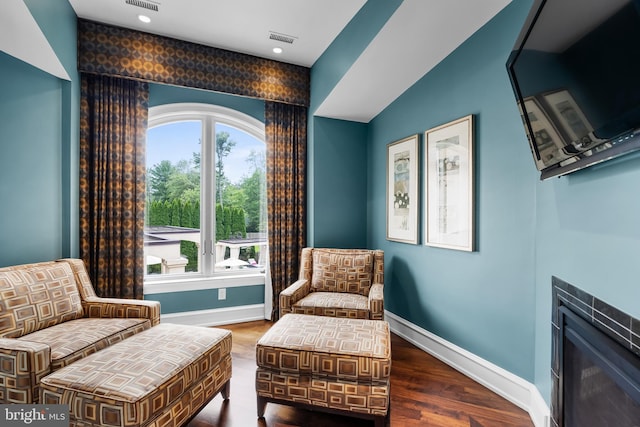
[
  {"x": 449, "y": 185},
  {"x": 402, "y": 190}
]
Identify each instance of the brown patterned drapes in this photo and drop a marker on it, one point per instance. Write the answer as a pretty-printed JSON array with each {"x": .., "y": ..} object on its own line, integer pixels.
[
  {"x": 115, "y": 51},
  {"x": 286, "y": 139},
  {"x": 113, "y": 125},
  {"x": 113, "y": 138}
]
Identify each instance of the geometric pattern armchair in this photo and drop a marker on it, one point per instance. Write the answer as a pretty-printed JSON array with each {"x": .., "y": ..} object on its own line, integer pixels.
[
  {"x": 338, "y": 283},
  {"x": 50, "y": 317}
]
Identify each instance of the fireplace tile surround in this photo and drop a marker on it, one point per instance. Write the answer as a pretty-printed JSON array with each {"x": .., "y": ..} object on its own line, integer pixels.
[{"x": 616, "y": 324}]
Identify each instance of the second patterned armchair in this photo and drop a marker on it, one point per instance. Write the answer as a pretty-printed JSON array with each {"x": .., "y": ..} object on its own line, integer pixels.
[{"x": 339, "y": 283}]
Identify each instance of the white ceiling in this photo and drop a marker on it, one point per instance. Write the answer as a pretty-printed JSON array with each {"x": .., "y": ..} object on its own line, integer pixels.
[
  {"x": 21, "y": 37},
  {"x": 238, "y": 25},
  {"x": 419, "y": 35},
  {"x": 416, "y": 38}
]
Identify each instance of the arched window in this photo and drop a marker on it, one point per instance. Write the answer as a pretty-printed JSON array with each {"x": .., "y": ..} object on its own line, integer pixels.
[{"x": 206, "y": 192}]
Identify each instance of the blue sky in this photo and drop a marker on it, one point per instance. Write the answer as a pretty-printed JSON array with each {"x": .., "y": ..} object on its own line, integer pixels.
[{"x": 178, "y": 141}]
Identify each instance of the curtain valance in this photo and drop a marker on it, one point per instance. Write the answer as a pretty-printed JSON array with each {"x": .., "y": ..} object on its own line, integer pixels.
[{"x": 115, "y": 51}]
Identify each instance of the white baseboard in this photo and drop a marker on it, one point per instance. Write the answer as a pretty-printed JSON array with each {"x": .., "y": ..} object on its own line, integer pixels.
[
  {"x": 539, "y": 410},
  {"x": 216, "y": 316},
  {"x": 511, "y": 387}
]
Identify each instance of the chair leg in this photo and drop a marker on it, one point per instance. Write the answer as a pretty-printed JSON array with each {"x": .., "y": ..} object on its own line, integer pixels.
[
  {"x": 226, "y": 390},
  {"x": 262, "y": 405},
  {"x": 380, "y": 421}
]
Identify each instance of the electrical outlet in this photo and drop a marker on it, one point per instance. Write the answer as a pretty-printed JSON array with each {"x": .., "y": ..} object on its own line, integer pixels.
[{"x": 222, "y": 293}]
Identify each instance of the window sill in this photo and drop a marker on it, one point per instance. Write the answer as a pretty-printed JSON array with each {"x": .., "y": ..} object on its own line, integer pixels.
[{"x": 179, "y": 284}]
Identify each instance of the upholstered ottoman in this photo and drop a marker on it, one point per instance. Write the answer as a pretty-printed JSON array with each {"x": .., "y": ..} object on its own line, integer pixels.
[
  {"x": 326, "y": 363},
  {"x": 160, "y": 377}
]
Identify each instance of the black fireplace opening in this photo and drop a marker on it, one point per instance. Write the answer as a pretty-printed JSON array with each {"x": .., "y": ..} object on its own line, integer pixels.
[{"x": 599, "y": 379}]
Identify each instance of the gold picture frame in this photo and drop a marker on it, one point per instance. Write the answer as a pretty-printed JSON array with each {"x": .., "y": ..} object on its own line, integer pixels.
[
  {"x": 402, "y": 190},
  {"x": 449, "y": 186}
]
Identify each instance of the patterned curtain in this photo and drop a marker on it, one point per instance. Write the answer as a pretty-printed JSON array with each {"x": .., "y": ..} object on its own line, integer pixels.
[
  {"x": 286, "y": 138},
  {"x": 113, "y": 125}
]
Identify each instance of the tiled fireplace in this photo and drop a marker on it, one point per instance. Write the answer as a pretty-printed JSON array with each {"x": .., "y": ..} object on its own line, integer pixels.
[{"x": 595, "y": 363}]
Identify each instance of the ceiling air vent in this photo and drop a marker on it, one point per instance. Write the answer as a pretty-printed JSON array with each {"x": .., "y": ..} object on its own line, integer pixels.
[
  {"x": 143, "y": 4},
  {"x": 281, "y": 37}
]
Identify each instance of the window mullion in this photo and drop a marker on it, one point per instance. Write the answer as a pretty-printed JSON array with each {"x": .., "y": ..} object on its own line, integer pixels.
[{"x": 207, "y": 200}]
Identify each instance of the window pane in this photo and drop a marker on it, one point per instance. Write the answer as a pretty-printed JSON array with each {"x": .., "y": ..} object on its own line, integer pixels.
[
  {"x": 240, "y": 199},
  {"x": 172, "y": 219}
]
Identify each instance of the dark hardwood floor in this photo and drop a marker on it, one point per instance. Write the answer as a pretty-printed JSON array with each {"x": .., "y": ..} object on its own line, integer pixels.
[{"x": 424, "y": 392}]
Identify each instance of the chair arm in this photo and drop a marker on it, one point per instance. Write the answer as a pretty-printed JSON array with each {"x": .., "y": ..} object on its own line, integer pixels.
[
  {"x": 376, "y": 301},
  {"x": 122, "y": 308},
  {"x": 24, "y": 364},
  {"x": 292, "y": 294}
]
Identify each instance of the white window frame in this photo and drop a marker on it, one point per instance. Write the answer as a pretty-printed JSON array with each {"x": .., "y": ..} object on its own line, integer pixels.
[{"x": 207, "y": 278}]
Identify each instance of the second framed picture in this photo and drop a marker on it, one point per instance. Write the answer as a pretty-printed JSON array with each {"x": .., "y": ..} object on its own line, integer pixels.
[
  {"x": 449, "y": 185},
  {"x": 402, "y": 190}
]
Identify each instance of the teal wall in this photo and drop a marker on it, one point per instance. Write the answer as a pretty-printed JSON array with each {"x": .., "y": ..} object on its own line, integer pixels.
[
  {"x": 337, "y": 162},
  {"x": 207, "y": 299},
  {"x": 31, "y": 218},
  {"x": 482, "y": 301},
  {"x": 164, "y": 94},
  {"x": 496, "y": 302},
  {"x": 38, "y": 147},
  {"x": 587, "y": 234},
  {"x": 62, "y": 39},
  {"x": 340, "y": 196}
]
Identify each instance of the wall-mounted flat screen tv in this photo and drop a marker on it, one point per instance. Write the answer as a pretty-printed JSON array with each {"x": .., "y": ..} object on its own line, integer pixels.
[{"x": 575, "y": 71}]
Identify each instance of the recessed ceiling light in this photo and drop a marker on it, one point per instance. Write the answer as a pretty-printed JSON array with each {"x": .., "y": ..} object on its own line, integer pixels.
[
  {"x": 277, "y": 50},
  {"x": 144, "y": 18}
]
